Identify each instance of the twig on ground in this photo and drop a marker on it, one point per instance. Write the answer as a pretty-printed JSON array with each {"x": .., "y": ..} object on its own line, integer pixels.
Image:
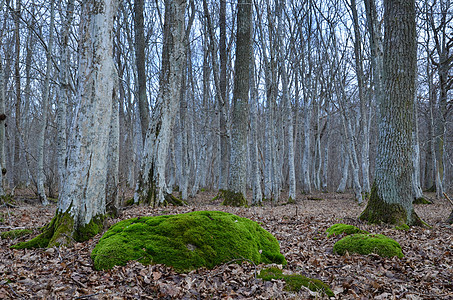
[{"x": 448, "y": 198}]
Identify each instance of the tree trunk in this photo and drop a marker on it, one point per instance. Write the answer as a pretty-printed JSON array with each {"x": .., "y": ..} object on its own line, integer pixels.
[
  {"x": 16, "y": 168},
  {"x": 392, "y": 193},
  {"x": 81, "y": 204},
  {"x": 224, "y": 140},
  {"x": 152, "y": 187},
  {"x": 40, "y": 177},
  {"x": 63, "y": 94},
  {"x": 254, "y": 157},
  {"x": 236, "y": 194},
  {"x": 364, "y": 132},
  {"x": 113, "y": 204},
  {"x": 140, "y": 61}
]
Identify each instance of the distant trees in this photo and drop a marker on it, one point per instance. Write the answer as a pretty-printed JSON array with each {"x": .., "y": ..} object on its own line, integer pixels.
[{"x": 315, "y": 79}]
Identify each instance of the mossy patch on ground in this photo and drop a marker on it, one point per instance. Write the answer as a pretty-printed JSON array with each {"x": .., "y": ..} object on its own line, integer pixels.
[
  {"x": 368, "y": 243},
  {"x": 16, "y": 233},
  {"x": 338, "y": 229},
  {"x": 421, "y": 200},
  {"x": 294, "y": 282},
  {"x": 186, "y": 241}
]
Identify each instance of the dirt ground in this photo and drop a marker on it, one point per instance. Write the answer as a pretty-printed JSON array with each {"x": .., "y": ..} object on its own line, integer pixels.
[{"x": 425, "y": 272}]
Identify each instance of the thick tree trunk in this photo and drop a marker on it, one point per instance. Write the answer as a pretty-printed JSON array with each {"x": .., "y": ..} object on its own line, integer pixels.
[
  {"x": 81, "y": 203},
  {"x": 236, "y": 194},
  {"x": 152, "y": 187},
  {"x": 392, "y": 193}
]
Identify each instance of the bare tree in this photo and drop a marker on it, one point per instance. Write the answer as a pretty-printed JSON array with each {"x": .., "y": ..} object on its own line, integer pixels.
[
  {"x": 392, "y": 193},
  {"x": 236, "y": 195},
  {"x": 152, "y": 187}
]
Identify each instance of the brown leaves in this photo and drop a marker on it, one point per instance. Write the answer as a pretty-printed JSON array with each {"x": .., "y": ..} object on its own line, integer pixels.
[{"x": 425, "y": 272}]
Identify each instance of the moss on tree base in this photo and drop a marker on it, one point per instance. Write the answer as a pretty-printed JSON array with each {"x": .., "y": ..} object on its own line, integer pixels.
[
  {"x": 338, "y": 229},
  {"x": 61, "y": 232},
  {"x": 450, "y": 218},
  {"x": 368, "y": 243},
  {"x": 295, "y": 282},
  {"x": 231, "y": 198},
  {"x": 421, "y": 200},
  {"x": 378, "y": 211},
  {"x": 186, "y": 241}
]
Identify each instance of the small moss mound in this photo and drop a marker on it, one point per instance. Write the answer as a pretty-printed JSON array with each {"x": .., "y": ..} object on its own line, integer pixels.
[
  {"x": 402, "y": 227},
  {"x": 16, "y": 233},
  {"x": 421, "y": 200},
  {"x": 295, "y": 282},
  {"x": 338, "y": 229},
  {"x": 368, "y": 243},
  {"x": 186, "y": 241}
]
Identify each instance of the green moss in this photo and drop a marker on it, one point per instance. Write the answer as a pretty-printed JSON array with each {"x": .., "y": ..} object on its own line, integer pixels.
[
  {"x": 61, "y": 232},
  {"x": 291, "y": 201},
  {"x": 421, "y": 200},
  {"x": 295, "y": 282},
  {"x": 402, "y": 227},
  {"x": 338, "y": 229},
  {"x": 378, "y": 211},
  {"x": 231, "y": 198},
  {"x": 89, "y": 230},
  {"x": 368, "y": 243},
  {"x": 129, "y": 202},
  {"x": 186, "y": 241},
  {"x": 16, "y": 233}
]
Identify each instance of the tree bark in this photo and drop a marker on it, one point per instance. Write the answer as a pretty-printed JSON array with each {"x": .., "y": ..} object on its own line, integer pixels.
[
  {"x": 236, "y": 194},
  {"x": 16, "y": 167},
  {"x": 140, "y": 61},
  {"x": 81, "y": 204},
  {"x": 152, "y": 187},
  {"x": 44, "y": 106},
  {"x": 392, "y": 193},
  {"x": 63, "y": 93}
]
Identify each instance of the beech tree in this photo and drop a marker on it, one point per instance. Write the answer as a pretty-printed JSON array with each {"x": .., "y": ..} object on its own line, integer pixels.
[
  {"x": 152, "y": 186},
  {"x": 81, "y": 203},
  {"x": 392, "y": 193},
  {"x": 238, "y": 155}
]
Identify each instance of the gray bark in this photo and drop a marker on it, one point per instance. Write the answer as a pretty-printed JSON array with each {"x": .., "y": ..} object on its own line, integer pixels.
[
  {"x": 83, "y": 193},
  {"x": 44, "y": 106},
  {"x": 238, "y": 154}
]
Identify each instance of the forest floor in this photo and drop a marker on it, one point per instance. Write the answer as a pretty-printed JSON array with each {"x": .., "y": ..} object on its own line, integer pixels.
[{"x": 425, "y": 272}]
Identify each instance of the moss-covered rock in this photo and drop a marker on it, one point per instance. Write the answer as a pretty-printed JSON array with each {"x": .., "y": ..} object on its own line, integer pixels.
[
  {"x": 16, "y": 233},
  {"x": 368, "y": 243},
  {"x": 186, "y": 241},
  {"x": 338, "y": 229},
  {"x": 294, "y": 282}
]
